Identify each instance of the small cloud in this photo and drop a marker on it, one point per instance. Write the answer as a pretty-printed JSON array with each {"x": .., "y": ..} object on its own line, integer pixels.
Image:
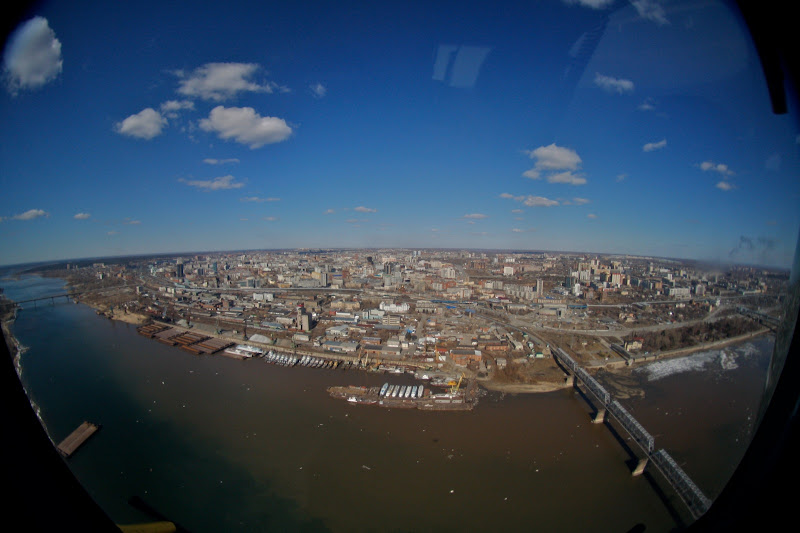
[
  {"x": 613, "y": 85},
  {"x": 217, "y": 184},
  {"x": 221, "y": 81},
  {"x": 593, "y": 4},
  {"x": 651, "y": 10},
  {"x": 566, "y": 177},
  {"x": 318, "y": 90},
  {"x": 532, "y": 201},
  {"x": 31, "y": 214},
  {"x": 557, "y": 163},
  {"x": 591, "y": 215},
  {"x": 210, "y": 161},
  {"x": 258, "y": 199},
  {"x": 621, "y": 177},
  {"x": 539, "y": 201},
  {"x": 112, "y": 232},
  {"x": 81, "y": 216},
  {"x": 725, "y": 186},
  {"x": 476, "y": 216},
  {"x": 171, "y": 108},
  {"x": 245, "y": 126},
  {"x": 270, "y": 219},
  {"x": 131, "y": 222},
  {"x": 517, "y": 211},
  {"x": 647, "y": 105},
  {"x": 362, "y": 209},
  {"x": 581, "y": 201},
  {"x": 328, "y": 212},
  {"x": 649, "y": 147},
  {"x": 33, "y": 56},
  {"x": 145, "y": 124},
  {"x": 720, "y": 168},
  {"x": 554, "y": 157},
  {"x": 506, "y": 195}
]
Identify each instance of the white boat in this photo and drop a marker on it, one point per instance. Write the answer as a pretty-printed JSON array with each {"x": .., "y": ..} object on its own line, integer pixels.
[
  {"x": 414, "y": 391},
  {"x": 383, "y": 389},
  {"x": 419, "y": 391}
]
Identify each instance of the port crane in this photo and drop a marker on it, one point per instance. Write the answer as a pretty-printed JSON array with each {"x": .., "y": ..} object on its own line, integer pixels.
[{"x": 456, "y": 385}]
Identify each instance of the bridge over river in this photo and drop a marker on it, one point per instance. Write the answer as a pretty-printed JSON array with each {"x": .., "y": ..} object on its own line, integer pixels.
[{"x": 690, "y": 494}]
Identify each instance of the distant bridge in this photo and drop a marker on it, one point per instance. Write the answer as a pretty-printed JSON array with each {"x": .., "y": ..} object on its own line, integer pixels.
[
  {"x": 762, "y": 318},
  {"x": 70, "y": 294},
  {"x": 689, "y": 492}
]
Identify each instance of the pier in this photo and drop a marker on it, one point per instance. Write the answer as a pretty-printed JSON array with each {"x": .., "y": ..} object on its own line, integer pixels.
[{"x": 75, "y": 439}]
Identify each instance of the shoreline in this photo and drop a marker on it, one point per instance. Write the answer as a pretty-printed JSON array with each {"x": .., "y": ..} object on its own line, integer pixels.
[{"x": 521, "y": 388}]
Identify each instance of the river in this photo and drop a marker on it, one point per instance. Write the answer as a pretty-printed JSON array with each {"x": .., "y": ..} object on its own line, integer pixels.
[{"x": 217, "y": 444}]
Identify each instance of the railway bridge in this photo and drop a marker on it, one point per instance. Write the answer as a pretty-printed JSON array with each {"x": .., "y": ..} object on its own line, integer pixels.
[{"x": 689, "y": 492}]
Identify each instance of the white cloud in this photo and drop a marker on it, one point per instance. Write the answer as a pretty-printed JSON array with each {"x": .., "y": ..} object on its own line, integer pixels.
[
  {"x": 566, "y": 177},
  {"x": 131, "y": 222},
  {"x": 622, "y": 177},
  {"x": 530, "y": 201},
  {"x": 145, "y": 124},
  {"x": 217, "y": 184},
  {"x": 171, "y": 108},
  {"x": 581, "y": 201},
  {"x": 362, "y": 209},
  {"x": 81, "y": 216},
  {"x": 594, "y": 4},
  {"x": 33, "y": 56},
  {"x": 221, "y": 81},
  {"x": 30, "y": 214},
  {"x": 477, "y": 216},
  {"x": 270, "y": 219},
  {"x": 591, "y": 215},
  {"x": 613, "y": 85},
  {"x": 517, "y": 211},
  {"x": 647, "y": 105},
  {"x": 112, "y": 233},
  {"x": 554, "y": 157},
  {"x": 725, "y": 186},
  {"x": 649, "y": 147},
  {"x": 539, "y": 201},
  {"x": 245, "y": 126},
  {"x": 210, "y": 161},
  {"x": 329, "y": 212},
  {"x": 651, "y": 10},
  {"x": 720, "y": 168},
  {"x": 258, "y": 199},
  {"x": 318, "y": 90}
]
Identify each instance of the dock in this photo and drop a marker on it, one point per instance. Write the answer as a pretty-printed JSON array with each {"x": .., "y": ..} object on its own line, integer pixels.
[
  {"x": 460, "y": 401},
  {"x": 75, "y": 439}
]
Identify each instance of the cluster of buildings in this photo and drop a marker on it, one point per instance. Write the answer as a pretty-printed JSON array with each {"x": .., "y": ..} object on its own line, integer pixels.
[{"x": 423, "y": 305}]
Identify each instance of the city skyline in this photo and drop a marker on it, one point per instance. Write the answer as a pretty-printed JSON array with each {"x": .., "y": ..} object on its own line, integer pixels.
[{"x": 555, "y": 127}]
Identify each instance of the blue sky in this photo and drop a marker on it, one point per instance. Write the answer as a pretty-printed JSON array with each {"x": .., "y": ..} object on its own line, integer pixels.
[{"x": 621, "y": 127}]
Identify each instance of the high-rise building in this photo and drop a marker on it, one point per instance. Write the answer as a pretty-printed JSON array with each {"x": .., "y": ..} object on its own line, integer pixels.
[{"x": 179, "y": 268}]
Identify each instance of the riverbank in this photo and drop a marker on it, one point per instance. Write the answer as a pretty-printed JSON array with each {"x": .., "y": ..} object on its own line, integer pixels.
[
  {"x": 523, "y": 388},
  {"x": 671, "y": 354}
]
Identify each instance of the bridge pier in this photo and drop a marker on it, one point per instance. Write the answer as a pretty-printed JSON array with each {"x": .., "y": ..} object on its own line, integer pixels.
[
  {"x": 569, "y": 380},
  {"x": 599, "y": 416},
  {"x": 639, "y": 470}
]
